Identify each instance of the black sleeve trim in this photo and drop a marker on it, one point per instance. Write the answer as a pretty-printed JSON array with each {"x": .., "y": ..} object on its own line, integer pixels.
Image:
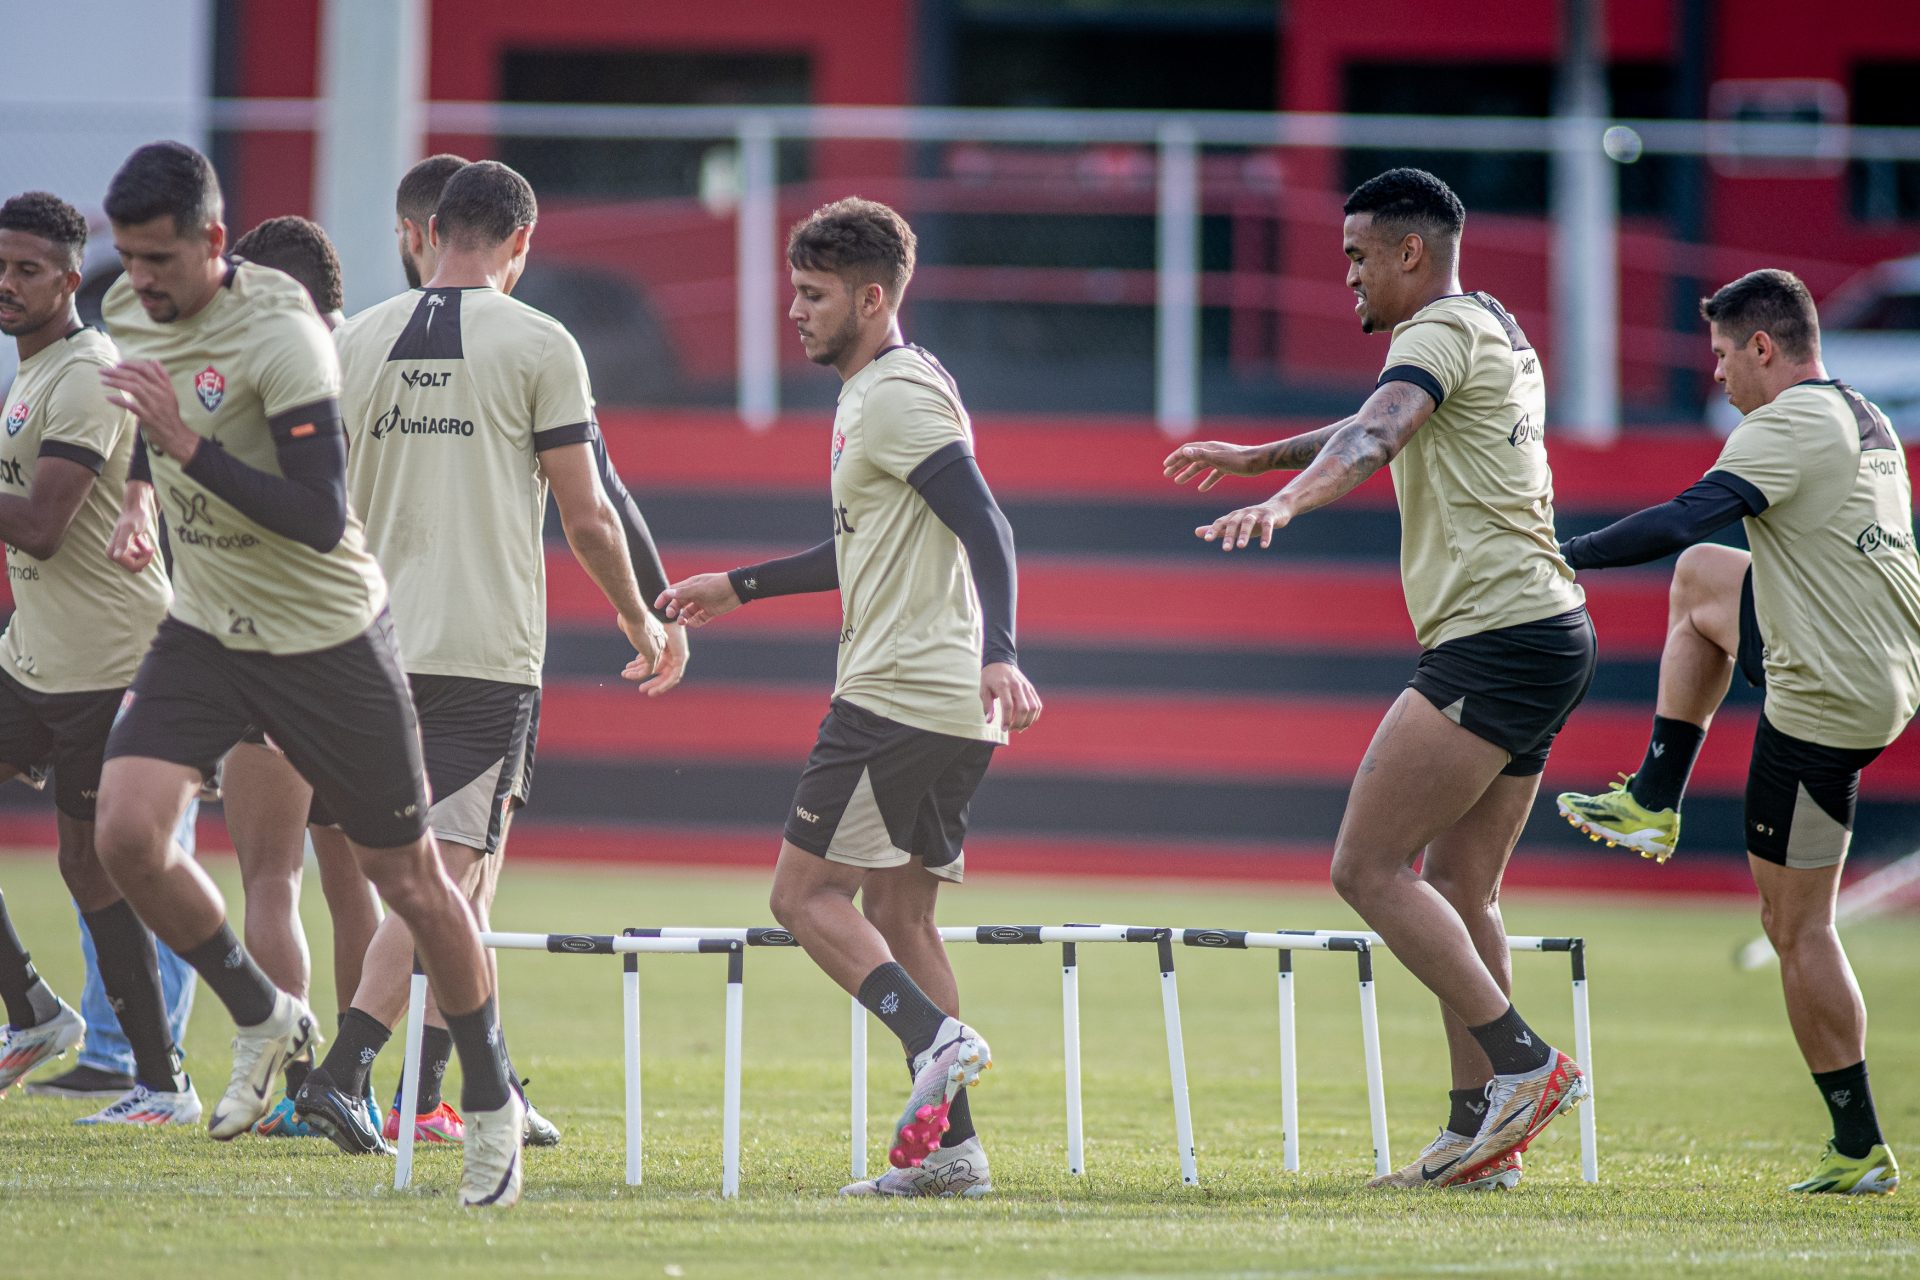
[
  {"x": 73, "y": 453},
  {"x": 1703, "y": 510},
  {"x": 1418, "y": 377},
  {"x": 959, "y": 496},
  {"x": 321, "y": 416},
  {"x": 1756, "y": 500},
  {"x": 141, "y": 468},
  {"x": 937, "y": 461},
  {"x": 556, "y": 437},
  {"x": 815, "y": 569},
  {"x": 648, "y": 572}
]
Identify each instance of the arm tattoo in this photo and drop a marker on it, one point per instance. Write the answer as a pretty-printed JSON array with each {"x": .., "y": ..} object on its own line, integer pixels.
[
  {"x": 1297, "y": 452},
  {"x": 1361, "y": 445}
]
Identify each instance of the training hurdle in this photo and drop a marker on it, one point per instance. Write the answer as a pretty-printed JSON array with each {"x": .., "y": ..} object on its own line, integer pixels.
[
  {"x": 629, "y": 946},
  {"x": 633, "y": 943}
]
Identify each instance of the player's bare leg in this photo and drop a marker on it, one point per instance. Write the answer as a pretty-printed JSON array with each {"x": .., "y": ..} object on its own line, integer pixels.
[
  {"x": 351, "y": 903},
  {"x": 1824, "y": 1006},
  {"x": 813, "y": 899},
  {"x": 1464, "y": 864},
  {"x": 1421, "y": 775},
  {"x": 141, "y": 801},
  {"x": 266, "y": 802}
]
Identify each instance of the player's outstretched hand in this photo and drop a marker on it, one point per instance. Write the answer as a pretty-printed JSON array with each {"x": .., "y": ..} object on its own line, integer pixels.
[
  {"x": 131, "y": 546},
  {"x": 145, "y": 388},
  {"x": 1004, "y": 684},
  {"x": 1213, "y": 457},
  {"x": 698, "y": 600},
  {"x": 669, "y": 671},
  {"x": 1236, "y": 528}
]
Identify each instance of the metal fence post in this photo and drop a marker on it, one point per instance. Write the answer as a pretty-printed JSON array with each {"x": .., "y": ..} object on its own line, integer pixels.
[
  {"x": 1177, "y": 308},
  {"x": 756, "y": 229}
]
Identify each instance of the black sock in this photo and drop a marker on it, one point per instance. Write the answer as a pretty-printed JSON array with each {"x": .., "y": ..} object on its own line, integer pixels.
[
  {"x": 1671, "y": 751},
  {"x": 1856, "y": 1130},
  {"x": 1510, "y": 1044},
  {"x": 29, "y": 1001},
  {"x": 959, "y": 1116},
  {"x": 897, "y": 1000},
  {"x": 350, "y": 1061},
  {"x": 436, "y": 1050},
  {"x": 130, "y": 973},
  {"x": 227, "y": 968},
  {"x": 296, "y": 1070},
  {"x": 483, "y": 1067},
  {"x": 1469, "y": 1108}
]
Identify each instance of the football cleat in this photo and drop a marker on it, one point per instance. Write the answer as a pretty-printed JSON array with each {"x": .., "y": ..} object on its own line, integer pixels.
[
  {"x": 82, "y": 1081},
  {"x": 22, "y": 1049},
  {"x": 1874, "y": 1174},
  {"x": 541, "y": 1132},
  {"x": 1519, "y": 1106},
  {"x": 1441, "y": 1165},
  {"x": 949, "y": 1171},
  {"x": 281, "y": 1122},
  {"x": 144, "y": 1106},
  {"x": 490, "y": 1170},
  {"x": 442, "y": 1124},
  {"x": 338, "y": 1116},
  {"x": 953, "y": 1062},
  {"x": 1617, "y": 818},
  {"x": 259, "y": 1054}
]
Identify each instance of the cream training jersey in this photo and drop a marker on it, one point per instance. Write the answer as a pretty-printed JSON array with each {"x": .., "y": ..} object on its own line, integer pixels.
[
  {"x": 1477, "y": 547},
  {"x": 450, "y": 397},
  {"x": 256, "y": 353},
  {"x": 1836, "y": 583},
  {"x": 80, "y": 622},
  {"x": 910, "y": 636}
]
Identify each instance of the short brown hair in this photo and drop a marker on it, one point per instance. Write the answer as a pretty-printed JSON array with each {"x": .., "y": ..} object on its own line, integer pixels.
[
  {"x": 861, "y": 241},
  {"x": 1772, "y": 300},
  {"x": 419, "y": 193}
]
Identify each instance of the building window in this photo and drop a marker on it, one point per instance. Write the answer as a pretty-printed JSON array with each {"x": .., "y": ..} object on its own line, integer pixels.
[{"x": 1885, "y": 190}]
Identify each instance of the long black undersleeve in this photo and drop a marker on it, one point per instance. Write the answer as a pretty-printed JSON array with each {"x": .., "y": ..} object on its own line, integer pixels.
[
  {"x": 141, "y": 468},
  {"x": 951, "y": 484},
  {"x": 1715, "y": 501},
  {"x": 648, "y": 572},
  {"x": 815, "y": 569},
  {"x": 308, "y": 500}
]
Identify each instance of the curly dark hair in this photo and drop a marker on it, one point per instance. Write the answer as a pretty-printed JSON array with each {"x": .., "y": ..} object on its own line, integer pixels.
[
  {"x": 43, "y": 214},
  {"x": 1412, "y": 199},
  {"x": 300, "y": 248},
  {"x": 483, "y": 204},
  {"x": 1770, "y": 299},
  {"x": 165, "y": 179},
  {"x": 861, "y": 241}
]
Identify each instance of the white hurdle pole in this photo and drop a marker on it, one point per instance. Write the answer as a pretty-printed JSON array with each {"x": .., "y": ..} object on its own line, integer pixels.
[
  {"x": 410, "y": 1077},
  {"x": 1583, "y": 1051},
  {"x": 630, "y": 1042},
  {"x": 1070, "y": 1055},
  {"x": 857, "y": 1104},
  {"x": 1177, "y": 1063},
  {"x": 1289, "y": 1072},
  {"x": 730, "y": 1102},
  {"x": 1376, "y": 1079}
]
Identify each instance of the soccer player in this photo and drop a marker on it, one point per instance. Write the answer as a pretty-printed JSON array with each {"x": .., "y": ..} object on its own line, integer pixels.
[
  {"x": 279, "y": 621},
  {"x": 266, "y": 800},
  {"x": 1458, "y": 414},
  {"x": 1825, "y": 615},
  {"x": 928, "y": 680},
  {"x": 71, "y": 647},
  {"x": 463, "y": 406}
]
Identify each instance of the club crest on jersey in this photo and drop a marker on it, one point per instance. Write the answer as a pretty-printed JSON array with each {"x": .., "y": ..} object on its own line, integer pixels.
[
  {"x": 839, "y": 446},
  {"x": 211, "y": 386},
  {"x": 17, "y": 418}
]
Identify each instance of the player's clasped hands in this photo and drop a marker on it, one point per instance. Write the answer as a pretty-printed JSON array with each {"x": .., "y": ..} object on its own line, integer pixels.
[
  {"x": 658, "y": 664},
  {"x": 698, "y": 600}
]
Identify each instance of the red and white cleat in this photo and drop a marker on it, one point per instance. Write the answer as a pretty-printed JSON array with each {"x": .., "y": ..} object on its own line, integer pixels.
[{"x": 954, "y": 1062}]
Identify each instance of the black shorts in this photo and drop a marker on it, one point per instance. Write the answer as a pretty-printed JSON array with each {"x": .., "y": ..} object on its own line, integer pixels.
[
  {"x": 65, "y": 732},
  {"x": 1752, "y": 656},
  {"x": 1800, "y": 798},
  {"x": 876, "y": 793},
  {"x": 478, "y": 740},
  {"x": 342, "y": 716},
  {"x": 1514, "y": 686}
]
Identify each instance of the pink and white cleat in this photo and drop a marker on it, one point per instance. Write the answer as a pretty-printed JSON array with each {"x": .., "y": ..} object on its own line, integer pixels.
[{"x": 954, "y": 1062}]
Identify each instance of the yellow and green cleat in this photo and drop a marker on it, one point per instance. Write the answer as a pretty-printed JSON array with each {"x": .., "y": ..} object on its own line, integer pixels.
[
  {"x": 1617, "y": 818},
  {"x": 1874, "y": 1174}
]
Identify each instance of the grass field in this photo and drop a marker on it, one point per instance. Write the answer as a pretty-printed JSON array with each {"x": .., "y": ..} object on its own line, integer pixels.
[{"x": 1705, "y": 1113}]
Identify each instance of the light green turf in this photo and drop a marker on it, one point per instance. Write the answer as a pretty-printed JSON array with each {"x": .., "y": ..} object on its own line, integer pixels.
[{"x": 1705, "y": 1114}]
